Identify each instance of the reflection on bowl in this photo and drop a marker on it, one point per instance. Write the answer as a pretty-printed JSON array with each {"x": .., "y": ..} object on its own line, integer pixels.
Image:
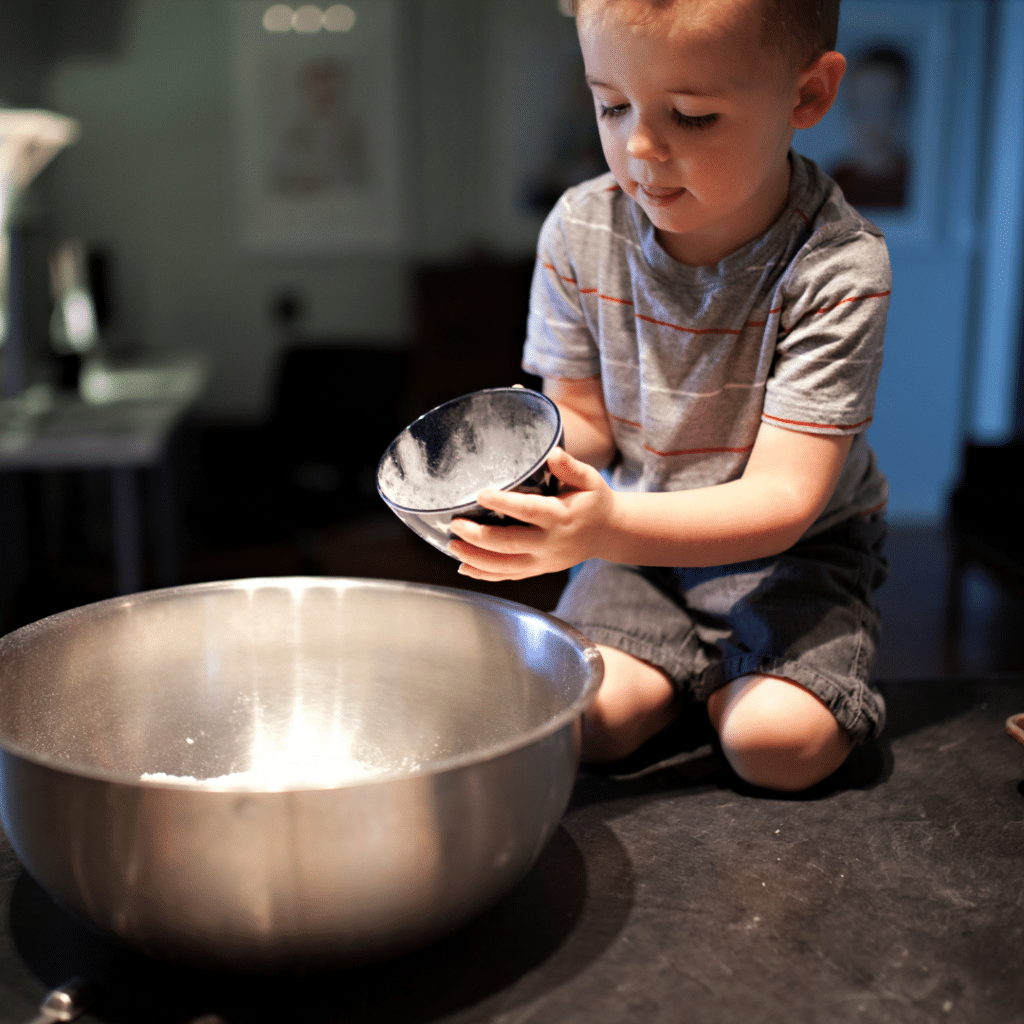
[{"x": 499, "y": 438}]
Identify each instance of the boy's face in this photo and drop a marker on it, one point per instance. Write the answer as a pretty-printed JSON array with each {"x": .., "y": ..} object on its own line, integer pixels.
[{"x": 694, "y": 117}]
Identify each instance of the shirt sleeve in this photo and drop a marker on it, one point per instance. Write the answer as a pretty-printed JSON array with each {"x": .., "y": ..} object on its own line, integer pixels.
[
  {"x": 559, "y": 344},
  {"x": 831, "y": 333}
]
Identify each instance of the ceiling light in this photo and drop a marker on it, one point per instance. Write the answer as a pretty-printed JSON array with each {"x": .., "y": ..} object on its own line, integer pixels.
[
  {"x": 278, "y": 18},
  {"x": 308, "y": 19},
  {"x": 339, "y": 18}
]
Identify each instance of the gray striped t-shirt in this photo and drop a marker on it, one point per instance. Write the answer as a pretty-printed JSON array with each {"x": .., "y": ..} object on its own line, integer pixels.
[{"x": 787, "y": 330}]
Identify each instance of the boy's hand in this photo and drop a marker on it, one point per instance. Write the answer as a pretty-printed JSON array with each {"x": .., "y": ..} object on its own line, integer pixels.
[{"x": 563, "y": 530}]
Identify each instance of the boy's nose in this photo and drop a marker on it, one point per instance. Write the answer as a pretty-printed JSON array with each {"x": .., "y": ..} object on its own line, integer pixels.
[{"x": 643, "y": 144}]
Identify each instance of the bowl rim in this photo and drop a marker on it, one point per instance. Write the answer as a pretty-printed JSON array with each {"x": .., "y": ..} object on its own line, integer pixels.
[
  {"x": 590, "y": 654},
  {"x": 505, "y": 487}
]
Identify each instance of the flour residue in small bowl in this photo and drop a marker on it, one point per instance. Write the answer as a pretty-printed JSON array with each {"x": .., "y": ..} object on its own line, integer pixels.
[{"x": 445, "y": 459}]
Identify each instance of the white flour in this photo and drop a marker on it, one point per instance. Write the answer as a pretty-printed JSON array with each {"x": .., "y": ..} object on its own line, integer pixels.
[
  {"x": 283, "y": 775},
  {"x": 474, "y": 456}
]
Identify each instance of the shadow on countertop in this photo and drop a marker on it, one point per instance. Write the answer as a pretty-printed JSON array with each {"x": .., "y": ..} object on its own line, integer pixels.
[{"x": 540, "y": 922}]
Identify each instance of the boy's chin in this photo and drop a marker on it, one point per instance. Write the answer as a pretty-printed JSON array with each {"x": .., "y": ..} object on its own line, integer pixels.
[
  {"x": 668, "y": 229},
  {"x": 667, "y": 216}
]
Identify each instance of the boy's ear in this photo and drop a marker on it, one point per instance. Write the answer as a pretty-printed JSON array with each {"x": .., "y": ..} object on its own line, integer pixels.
[{"x": 816, "y": 89}]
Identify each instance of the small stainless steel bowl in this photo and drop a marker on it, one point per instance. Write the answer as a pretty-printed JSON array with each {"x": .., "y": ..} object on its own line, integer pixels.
[
  {"x": 499, "y": 438},
  {"x": 449, "y": 720}
]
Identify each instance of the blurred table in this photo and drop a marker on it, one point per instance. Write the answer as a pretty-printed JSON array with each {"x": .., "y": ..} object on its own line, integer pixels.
[
  {"x": 120, "y": 422},
  {"x": 892, "y": 893}
]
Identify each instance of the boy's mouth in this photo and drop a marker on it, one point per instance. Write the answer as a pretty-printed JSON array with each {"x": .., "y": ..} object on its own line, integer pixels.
[{"x": 661, "y": 196}]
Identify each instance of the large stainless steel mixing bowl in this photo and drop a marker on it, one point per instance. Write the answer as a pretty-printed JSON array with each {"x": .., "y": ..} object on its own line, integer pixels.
[{"x": 460, "y": 711}]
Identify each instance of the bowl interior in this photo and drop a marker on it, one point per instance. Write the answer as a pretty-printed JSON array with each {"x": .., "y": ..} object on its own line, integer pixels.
[
  {"x": 284, "y": 683},
  {"x": 487, "y": 439}
]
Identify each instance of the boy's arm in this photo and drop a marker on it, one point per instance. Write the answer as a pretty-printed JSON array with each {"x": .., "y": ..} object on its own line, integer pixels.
[
  {"x": 588, "y": 434},
  {"x": 788, "y": 481},
  {"x": 786, "y": 485}
]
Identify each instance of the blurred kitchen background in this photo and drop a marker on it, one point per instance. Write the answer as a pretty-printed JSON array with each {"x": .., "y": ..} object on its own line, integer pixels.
[{"x": 282, "y": 231}]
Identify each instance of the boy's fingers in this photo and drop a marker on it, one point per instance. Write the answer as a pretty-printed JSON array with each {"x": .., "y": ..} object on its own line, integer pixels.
[
  {"x": 499, "y": 540},
  {"x": 571, "y": 472},
  {"x": 486, "y": 564},
  {"x": 529, "y": 508},
  {"x": 465, "y": 569}
]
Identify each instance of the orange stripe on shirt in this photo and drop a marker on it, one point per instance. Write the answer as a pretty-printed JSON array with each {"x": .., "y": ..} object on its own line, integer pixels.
[
  {"x": 628, "y": 423},
  {"x": 818, "y": 426},
  {"x": 853, "y": 298},
  {"x": 607, "y": 298},
  {"x": 689, "y": 330},
  {"x": 662, "y": 323},
  {"x": 695, "y": 330},
  {"x": 763, "y": 323},
  {"x": 699, "y": 451},
  {"x": 554, "y": 270},
  {"x": 876, "y": 509},
  {"x": 681, "y": 451}
]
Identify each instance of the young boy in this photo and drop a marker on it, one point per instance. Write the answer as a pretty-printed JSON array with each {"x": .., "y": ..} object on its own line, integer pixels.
[{"x": 709, "y": 318}]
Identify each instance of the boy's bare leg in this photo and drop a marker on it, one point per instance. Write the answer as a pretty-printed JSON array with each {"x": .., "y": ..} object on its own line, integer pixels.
[
  {"x": 773, "y": 732},
  {"x": 776, "y": 734},
  {"x": 635, "y": 702}
]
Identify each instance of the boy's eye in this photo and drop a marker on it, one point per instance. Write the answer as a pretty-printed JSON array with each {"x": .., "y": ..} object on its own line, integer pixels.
[
  {"x": 703, "y": 122},
  {"x": 612, "y": 111}
]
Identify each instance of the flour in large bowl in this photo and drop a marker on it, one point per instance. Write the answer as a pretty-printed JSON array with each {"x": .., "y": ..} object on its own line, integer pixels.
[{"x": 281, "y": 776}]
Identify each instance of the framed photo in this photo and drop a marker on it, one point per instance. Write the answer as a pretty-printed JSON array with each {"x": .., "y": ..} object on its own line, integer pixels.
[
  {"x": 317, "y": 126},
  {"x": 882, "y": 141}
]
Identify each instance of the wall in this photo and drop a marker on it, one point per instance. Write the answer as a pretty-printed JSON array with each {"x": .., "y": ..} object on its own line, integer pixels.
[
  {"x": 919, "y": 427},
  {"x": 992, "y": 406},
  {"x": 21, "y": 69}
]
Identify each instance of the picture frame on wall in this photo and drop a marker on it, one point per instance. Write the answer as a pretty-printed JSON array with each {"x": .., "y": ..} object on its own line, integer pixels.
[
  {"x": 882, "y": 140},
  {"x": 317, "y": 147}
]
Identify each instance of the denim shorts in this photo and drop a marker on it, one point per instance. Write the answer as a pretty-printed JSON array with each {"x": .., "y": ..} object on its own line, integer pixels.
[{"x": 806, "y": 615}]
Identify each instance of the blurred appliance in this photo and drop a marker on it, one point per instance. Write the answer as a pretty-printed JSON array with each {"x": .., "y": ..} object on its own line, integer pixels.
[
  {"x": 74, "y": 330},
  {"x": 73, "y": 326},
  {"x": 29, "y": 139}
]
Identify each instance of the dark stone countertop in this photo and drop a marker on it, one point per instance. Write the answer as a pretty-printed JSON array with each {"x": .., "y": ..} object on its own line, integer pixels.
[{"x": 672, "y": 892}]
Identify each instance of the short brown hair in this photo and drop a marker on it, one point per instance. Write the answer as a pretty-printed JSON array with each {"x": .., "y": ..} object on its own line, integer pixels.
[
  {"x": 805, "y": 29},
  {"x": 801, "y": 29}
]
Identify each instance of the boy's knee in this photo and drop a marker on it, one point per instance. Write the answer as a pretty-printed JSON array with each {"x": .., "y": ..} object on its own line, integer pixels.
[
  {"x": 605, "y": 738},
  {"x": 776, "y": 734},
  {"x": 635, "y": 702}
]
